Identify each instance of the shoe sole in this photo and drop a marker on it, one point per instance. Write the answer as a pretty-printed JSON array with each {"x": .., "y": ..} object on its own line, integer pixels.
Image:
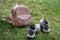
[
  {"x": 46, "y": 30},
  {"x": 30, "y": 36}
]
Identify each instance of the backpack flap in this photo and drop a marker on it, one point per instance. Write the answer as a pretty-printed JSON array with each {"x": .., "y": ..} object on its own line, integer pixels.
[{"x": 23, "y": 19}]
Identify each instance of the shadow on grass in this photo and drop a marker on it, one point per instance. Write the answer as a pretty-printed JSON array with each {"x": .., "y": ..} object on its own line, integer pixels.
[
  {"x": 29, "y": 38},
  {"x": 5, "y": 23}
]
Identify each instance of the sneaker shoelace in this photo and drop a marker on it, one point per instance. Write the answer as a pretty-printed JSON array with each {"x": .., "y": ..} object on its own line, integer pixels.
[
  {"x": 46, "y": 27},
  {"x": 31, "y": 32}
]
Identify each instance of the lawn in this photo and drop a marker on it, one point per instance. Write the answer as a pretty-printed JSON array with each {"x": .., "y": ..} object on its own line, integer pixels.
[{"x": 48, "y": 9}]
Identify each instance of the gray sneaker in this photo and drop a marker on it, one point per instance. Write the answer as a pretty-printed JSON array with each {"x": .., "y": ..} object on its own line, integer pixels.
[
  {"x": 44, "y": 25},
  {"x": 31, "y": 34},
  {"x": 33, "y": 29}
]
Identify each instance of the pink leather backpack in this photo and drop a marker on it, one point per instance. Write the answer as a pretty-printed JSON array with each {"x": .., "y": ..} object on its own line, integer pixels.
[{"x": 20, "y": 15}]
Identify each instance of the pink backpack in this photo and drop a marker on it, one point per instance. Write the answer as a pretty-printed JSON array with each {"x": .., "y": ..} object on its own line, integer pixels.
[{"x": 20, "y": 15}]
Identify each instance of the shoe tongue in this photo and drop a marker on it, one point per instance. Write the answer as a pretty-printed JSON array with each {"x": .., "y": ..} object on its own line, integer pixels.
[
  {"x": 45, "y": 22},
  {"x": 46, "y": 27}
]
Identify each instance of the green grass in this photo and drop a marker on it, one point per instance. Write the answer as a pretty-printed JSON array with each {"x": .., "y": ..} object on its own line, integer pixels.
[{"x": 48, "y": 9}]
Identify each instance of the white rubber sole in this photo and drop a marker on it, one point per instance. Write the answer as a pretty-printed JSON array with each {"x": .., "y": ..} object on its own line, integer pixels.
[
  {"x": 46, "y": 30},
  {"x": 30, "y": 36}
]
